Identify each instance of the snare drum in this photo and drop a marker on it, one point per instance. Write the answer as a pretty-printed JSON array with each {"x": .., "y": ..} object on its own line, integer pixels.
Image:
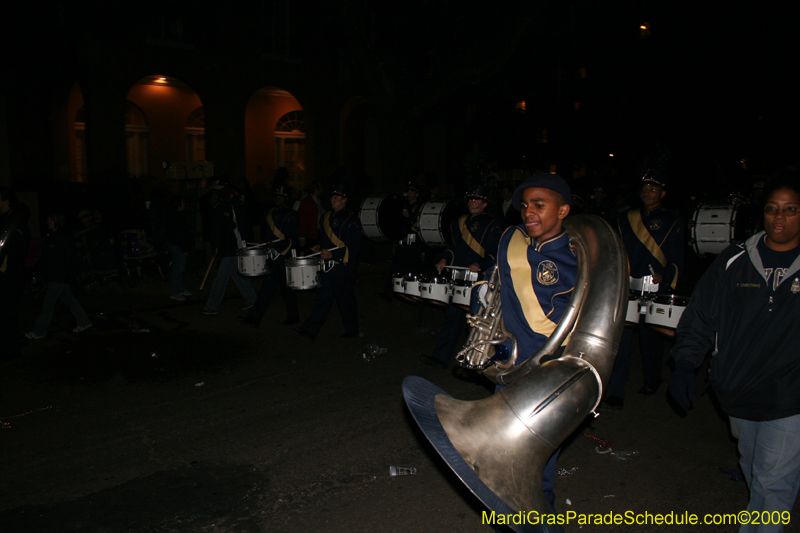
[
  {"x": 253, "y": 261},
  {"x": 714, "y": 227},
  {"x": 632, "y": 316},
  {"x": 436, "y": 291},
  {"x": 434, "y": 221},
  {"x": 664, "y": 312},
  {"x": 397, "y": 285},
  {"x": 303, "y": 272},
  {"x": 411, "y": 287},
  {"x": 382, "y": 218},
  {"x": 462, "y": 293}
]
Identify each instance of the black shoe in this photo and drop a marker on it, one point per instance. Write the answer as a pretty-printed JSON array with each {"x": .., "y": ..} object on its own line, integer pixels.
[
  {"x": 306, "y": 335},
  {"x": 290, "y": 321},
  {"x": 613, "y": 402},
  {"x": 432, "y": 361},
  {"x": 349, "y": 335},
  {"x": 249, "y": 321},
  {"x": 648, "y": 390}
]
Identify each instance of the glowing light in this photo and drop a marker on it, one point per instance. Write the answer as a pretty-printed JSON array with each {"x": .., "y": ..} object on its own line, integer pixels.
[{"x": 610, "y": 155}]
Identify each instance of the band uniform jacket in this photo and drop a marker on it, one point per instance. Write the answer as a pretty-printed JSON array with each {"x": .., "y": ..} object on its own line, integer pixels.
[
  {"x": 281, "y": 224},
  {"x": 475, "y": 240},
  {"x": 756, "y": 370},
  {"x": 536, "y": 284},
  {"x": 342, "y": 229},
  {"x": 654, "y": 240}
]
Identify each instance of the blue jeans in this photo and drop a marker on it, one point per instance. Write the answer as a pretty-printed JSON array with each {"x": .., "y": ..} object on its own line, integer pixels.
[
  {"x": 770, "y": 461},
  {"x": 229, "y": 270},
  {"x": 52, "y": 294},
  {"x": 176, "y": 285}
]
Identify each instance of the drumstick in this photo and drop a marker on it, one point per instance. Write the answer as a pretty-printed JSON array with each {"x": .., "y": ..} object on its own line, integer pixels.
[
  {"x": 457, "y": 268},
  {"x": 312, "y": 255},
  {"x": 259, "y": 245},
  {"x": 209, "y": 268}
]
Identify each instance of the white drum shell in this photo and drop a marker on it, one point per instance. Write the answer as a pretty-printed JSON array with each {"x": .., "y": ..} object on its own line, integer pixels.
[
  {"x": 411, "y": 286},
  {"x": 436, "y": 291},
  {"x": 462, "y": 293},
  {"x": 713, "y": 228},
  {"x": 303, "y": 273},
  {"x": 665, "y": 311},
  {"x": 397, "y": 284},
  {"x": 433, "y": 222},
  {"x": 632, "y": 316},
  {"x": 252, "y": 262}
]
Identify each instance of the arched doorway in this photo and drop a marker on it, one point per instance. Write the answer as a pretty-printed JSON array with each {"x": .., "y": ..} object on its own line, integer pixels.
[
  {"x": 173, "y": 118},
  {"x": 275, "y": 137}
]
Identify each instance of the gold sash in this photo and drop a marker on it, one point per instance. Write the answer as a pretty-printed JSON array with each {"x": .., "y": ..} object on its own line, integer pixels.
[
  {"x": 521, "y": 276},
  {"x": 278, "y": 233},
  {"x": 635, "y": 218},
  {"x": 333, "y": 238},
  {"x": 468, "y": 238}
]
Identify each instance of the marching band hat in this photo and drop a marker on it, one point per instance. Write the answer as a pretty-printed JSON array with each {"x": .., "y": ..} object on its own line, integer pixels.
[
  {"x": 544, "y": 181},
  {"x": 479, "y": 191},
  {"x": 658, "y": 176},
  {"x": 412, "y": 186},
  {"x": 339, "y": 189}
]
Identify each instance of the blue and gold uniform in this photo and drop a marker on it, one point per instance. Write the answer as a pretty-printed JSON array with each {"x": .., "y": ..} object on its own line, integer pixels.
[
  {"x": 280, "y": 225},
  {"x": 343, "y": 229},
  {"x": 537, "y": 279},
  {"x": 475, "y": 240},
  {"x": 536, "y": 283},
  {"x": 652, "y": 239}
]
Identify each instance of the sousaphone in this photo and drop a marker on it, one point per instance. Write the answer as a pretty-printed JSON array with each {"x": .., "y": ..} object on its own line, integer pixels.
[{"x": 499, "y": 446}]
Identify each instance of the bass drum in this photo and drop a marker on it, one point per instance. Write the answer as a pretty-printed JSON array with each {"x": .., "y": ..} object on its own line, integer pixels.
[
  {"x": 434, "y": 221},
  {"x": 714, "y": 227},
  {"x": 382, "y": 218}
]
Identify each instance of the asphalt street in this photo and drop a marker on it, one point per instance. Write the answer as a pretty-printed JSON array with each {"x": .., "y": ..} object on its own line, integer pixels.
[{"x": 162, "y": 419}]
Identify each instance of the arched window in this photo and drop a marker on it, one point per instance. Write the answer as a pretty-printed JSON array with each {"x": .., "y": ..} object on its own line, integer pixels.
[
  {"x": 136, "y": 136},
  {"x": 290, "y": 144},
  {"x": 196, "y": 136}
]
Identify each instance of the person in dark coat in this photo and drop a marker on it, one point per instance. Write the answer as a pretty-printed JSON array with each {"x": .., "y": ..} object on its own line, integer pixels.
[
  {"x": 14, "y": 238},
  {"x": 178, "y": 243},
  {"x": 59, "y": 266}
]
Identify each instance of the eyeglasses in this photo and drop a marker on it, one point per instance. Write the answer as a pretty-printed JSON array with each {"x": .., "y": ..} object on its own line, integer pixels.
[{"x": 788, "y": 211}]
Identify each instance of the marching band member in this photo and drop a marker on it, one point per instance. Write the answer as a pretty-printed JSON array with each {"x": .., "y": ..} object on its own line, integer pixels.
[
  {"x": 537, "y": 274},
  {"x": 280, "y": 225},
  {"x": 653, "y": 239},
  {"x": 340, "y": 228},
  {"x": 407, "y": 256},
  {"x": 475, "y": 239},
  {"x": 745, "y": 307}
]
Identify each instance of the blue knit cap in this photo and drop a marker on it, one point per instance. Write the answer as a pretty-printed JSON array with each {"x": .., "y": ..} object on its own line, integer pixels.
[{"x": 543, "y": 181}]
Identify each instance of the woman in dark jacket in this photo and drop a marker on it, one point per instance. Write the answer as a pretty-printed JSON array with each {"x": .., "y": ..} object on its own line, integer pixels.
[{"x": 58, "y": 265}]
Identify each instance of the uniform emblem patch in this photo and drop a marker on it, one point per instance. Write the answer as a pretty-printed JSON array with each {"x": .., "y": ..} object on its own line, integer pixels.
[
  {"x": 655, "y": 225},
  {"x": 547, "y": 273},
  {"x": 796, "y": 286},
  {"x": 474, "y": 227}
]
